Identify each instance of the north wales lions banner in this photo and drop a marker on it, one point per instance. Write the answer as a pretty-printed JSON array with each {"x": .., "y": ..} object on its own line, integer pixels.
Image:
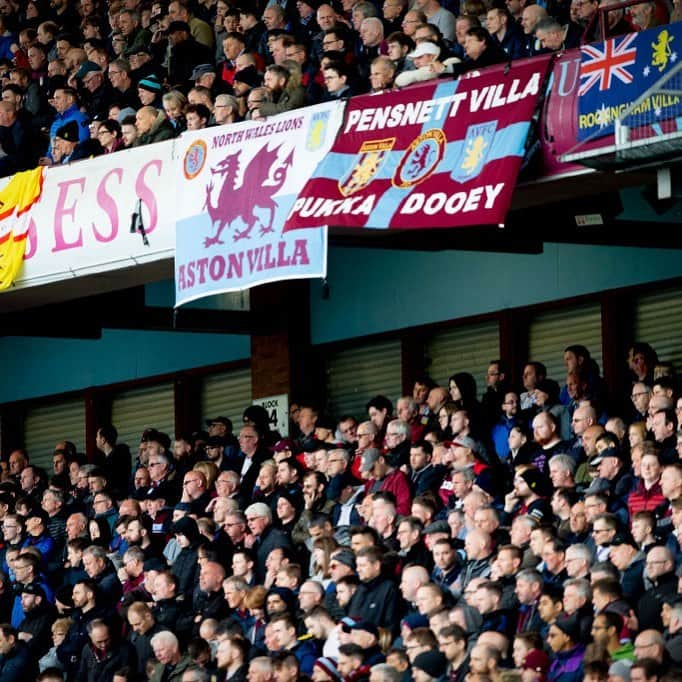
[
  {"x": 236, "y": 185},
  {"x": 444, "y": 154}
]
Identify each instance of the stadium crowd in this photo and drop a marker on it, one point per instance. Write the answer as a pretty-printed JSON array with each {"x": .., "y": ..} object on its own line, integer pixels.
[
  {"x": 80, "y": 79},
  {"x": 529, "y": 535}
]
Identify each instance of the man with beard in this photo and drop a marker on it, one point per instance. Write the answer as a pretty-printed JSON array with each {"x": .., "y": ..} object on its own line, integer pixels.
[
  {"x": 529, "y": 496},
  {"x": 548, "y": 443},
  {"x": 231, "y": 658}
]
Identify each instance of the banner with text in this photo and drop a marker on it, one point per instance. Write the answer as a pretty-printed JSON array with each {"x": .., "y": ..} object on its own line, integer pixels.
[
  {"x": 445, "y": 154},
  {"x": 237, "y": 184},
  {"x": 100, "y": 215},
  {"x": 615, "y": 73}
]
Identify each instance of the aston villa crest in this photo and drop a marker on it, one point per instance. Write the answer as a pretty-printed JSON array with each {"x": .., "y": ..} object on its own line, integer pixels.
[
  {"x": 475, "y": 150},
  {"x": 370, "y": 158}
]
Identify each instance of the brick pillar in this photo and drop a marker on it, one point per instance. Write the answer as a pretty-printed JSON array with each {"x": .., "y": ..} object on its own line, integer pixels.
[{"x": 282, "y": 360}]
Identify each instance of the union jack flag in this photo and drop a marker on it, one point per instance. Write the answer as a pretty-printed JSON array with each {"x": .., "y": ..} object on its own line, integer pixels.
[{"x": 602, "y": 65}]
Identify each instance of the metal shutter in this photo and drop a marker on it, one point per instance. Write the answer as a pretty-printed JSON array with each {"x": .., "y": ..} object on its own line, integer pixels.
[
  {"x": 140, "y": 408},
  {"x": 467, "y": 348},
  {"x": 356, "y": 375},
  {"x": 658, "y": 322},
  {"x": 45, "y": 425},
  {"x": 226, "y": 394},
  {"x": 550, "y": 332}
]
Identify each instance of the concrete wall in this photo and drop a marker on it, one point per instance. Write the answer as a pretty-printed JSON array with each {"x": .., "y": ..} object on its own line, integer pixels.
[
  {"x": 32, "y": 367},
  {"x": 372, "y": 290}
]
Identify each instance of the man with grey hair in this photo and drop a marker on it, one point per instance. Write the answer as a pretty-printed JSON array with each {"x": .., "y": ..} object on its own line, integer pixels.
[
  {"x": 398, "y": 442},
  {"x": 382, "y": 672},
  {"x": 261, "y": 669},
  {"x": 562, "y": 471},
  {"x": 226, "y": 109},
  {"x": 171, "y": 664},
  {"x": 101, "y": 571},
  {"x": 371, "y": 38},
  {"x": 265, "y": 536},
  {"x": 578, "y": 560},
  {"x": 408, "y": 411}
]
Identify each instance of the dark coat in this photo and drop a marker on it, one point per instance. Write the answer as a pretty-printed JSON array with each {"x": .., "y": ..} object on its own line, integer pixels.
[
  {"x": 270, "y": 539},
  {"x": 186, "y": 569},
  {"x": 18, "y": 665},
  {"x": 378, "y": 602},
  {"x": 649, "y": 605},
  {"x": 94, "y": 668}
]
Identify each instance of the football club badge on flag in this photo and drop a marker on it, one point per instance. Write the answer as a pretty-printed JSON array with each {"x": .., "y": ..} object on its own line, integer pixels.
[
  {"x": 369, "y": 160},
  {"x": 420, "y": 159},
  {"x": 475, "y": 149},
  {"x": 317, "y": 133}
]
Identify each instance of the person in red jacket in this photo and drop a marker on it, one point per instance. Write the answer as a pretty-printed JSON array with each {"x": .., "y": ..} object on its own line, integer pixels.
[
  {"x": 381, "y": 475},
  {"x": 648, "y": 495}
]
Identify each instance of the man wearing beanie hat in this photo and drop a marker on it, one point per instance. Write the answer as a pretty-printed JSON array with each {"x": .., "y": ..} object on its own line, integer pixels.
[
  {"x": 245, "y": 79},
  {"x": 529, "y": 496},
  {"x": 149, "y": 91},
  {"x": 429, "y": 666},
  {"x": 537, "y": 661},
  {"x": 567, "y": 653},
  {"x": 327, "y": 667},
  {"x": 67, "y": 148}
]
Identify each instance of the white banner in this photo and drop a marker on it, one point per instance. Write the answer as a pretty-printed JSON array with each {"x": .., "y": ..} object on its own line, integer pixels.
[
  {"x": 82, "y": 223},
  {"x": 235, "y": 187}
]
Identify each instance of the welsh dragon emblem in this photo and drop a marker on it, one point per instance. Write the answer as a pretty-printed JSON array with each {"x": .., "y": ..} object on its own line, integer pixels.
[{"x": 262, "y": 178}]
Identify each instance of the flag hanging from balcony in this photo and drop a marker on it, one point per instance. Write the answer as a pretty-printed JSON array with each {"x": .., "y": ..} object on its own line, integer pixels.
[
  {"x": 444, "y": 154},
  {"x": 237, "y": 185},
  {"x": 616, "y": 73},
  {"x": 17, "y": 199}
]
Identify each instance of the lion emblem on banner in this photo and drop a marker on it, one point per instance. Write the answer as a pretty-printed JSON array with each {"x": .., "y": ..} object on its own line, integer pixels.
[
  {"x": 420, "y": 159},
  {"x": 262, "y": 178},
  {"x": 475, "y": 150},
  {"x": 370, "y": 158}
]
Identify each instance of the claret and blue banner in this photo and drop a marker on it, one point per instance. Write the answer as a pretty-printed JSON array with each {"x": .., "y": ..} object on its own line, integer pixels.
[
  {"x": 615, "y": 73},
  {"x": 444, "y": 154}
]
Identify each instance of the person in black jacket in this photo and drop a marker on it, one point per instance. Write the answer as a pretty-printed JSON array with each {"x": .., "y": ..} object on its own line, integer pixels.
[
  {"x": 102, "y": 656},
  {"x": 376, "y": 599},
  {"x": 185, "y": 567},
  {"x": 267, "y": 538},
  {"x": 16, "y": 662},
  {"x": 38, "y": 619}
]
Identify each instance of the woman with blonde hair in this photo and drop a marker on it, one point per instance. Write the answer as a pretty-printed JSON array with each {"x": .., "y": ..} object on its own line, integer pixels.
[
  {"x": 323, "y": 548},
  {"x": 210, "y": 471}
]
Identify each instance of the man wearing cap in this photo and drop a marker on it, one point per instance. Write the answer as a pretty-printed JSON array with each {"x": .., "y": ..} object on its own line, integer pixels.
[
  {"x": 383, "y": 475},
  {"x": 424, "y": 56},
  {"x": 185, "y": 52},
  {"x": 100, "y": 93},
  {"x": 39, "y": 615},
  {"x": 567, "y": 651}
]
